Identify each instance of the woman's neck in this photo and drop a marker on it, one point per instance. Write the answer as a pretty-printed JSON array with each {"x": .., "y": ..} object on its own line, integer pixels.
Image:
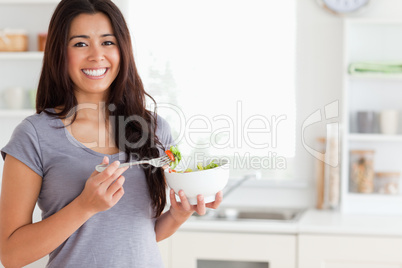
[{"x": 91, "y": 107}]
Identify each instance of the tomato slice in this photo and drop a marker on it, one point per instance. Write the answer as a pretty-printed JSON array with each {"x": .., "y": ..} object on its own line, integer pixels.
[{"x": 170, "y": 154}]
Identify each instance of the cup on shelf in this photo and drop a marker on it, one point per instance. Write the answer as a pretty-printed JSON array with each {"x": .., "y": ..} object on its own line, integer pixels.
[
  {"x": 365, "y": 121},
  {"x": 14, "y": 97},
  {"x": 389, "y": 122},
  {"x": 42, "y": 41},
  {"x": 387, "y": 182}
]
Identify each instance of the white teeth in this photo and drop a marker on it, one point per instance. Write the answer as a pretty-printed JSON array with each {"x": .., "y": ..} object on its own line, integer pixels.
[{"x": 97, "y": 72}]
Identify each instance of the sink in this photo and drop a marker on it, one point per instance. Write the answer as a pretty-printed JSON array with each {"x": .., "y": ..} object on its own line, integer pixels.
[{"x": 251, "y": 214}]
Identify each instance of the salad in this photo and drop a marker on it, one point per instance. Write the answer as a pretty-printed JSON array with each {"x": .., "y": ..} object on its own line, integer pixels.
[{"x": 174, "y": 154}]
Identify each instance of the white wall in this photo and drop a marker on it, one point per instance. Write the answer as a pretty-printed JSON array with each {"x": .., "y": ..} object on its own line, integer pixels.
[{"x": 319, "y": 83}]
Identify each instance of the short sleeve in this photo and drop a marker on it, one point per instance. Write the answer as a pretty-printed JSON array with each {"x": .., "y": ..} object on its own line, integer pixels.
[{"x": 24, "y": 146}]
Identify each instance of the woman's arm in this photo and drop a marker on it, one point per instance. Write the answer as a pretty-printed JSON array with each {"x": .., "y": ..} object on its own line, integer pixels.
[
  {"x": 168, "y": 223},
  {"x": 23, "y": 242}
]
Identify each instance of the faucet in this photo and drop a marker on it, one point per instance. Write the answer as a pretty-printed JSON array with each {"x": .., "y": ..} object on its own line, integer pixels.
[{"x": 229, "y": 189}]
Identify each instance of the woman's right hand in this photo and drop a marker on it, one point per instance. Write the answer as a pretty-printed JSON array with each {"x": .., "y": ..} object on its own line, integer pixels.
[{"x": 103, "y": 189}]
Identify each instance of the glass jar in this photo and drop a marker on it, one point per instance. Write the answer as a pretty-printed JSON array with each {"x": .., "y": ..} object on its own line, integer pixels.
[
  {"x": 362, "y": 171},
  {"x": 387, "y": 182}
]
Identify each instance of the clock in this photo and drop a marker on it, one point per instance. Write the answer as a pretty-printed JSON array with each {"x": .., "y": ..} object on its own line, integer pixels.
[{"x": 343, "y": 7}]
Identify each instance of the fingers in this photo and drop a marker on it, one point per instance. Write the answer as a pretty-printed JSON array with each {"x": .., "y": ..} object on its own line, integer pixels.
[
  {"x": 118, "y": 194},
  {"x": 112, "y": 179},
  {"x": 183, "y": 205},
  {"x": 217, "y": 202},
  {"x": 105, "y": 161},
  {"x": 165, "y": 167},
  {"x": 173, "y": 201},
  {"x": 116, "y": 185},
  {"x": 200, "y": 205},
  {"x": 112, "y": 172},
  {"x": 184, "y": 202}
]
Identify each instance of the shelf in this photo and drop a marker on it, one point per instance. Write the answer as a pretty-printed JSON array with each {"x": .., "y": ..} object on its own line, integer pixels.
[
  {"x": 16, "y": 113},
  {"x": 370, "y": 40},
  {"x": 29, "y": 55},
  {"x": 25, "y": 2},
  {"x": 375, "y": 138},
  {"x": 375, "y": 76},
  {"x": 374, "y": 196}
]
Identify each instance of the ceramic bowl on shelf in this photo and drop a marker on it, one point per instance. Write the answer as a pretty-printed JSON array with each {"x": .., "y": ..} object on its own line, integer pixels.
[{"x": 206, "y": 182}]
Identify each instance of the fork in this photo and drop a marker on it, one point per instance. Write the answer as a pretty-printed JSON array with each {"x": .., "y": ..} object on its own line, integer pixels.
[{"x": 156, "y": 162}]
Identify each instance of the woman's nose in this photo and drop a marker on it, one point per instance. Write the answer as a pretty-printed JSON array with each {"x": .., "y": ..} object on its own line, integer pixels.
[{"x": 96, "y": 53}]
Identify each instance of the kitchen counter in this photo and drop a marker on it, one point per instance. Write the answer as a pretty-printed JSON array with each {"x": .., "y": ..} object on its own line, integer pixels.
[
  {"x": 311, "y": 222},
  {"x": 332, "y": 222},
  {"x": 249, "y": 226}
]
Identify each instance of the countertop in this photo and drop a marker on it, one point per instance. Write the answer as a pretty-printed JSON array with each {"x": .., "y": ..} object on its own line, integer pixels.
[{"x": 311, "y": 222}]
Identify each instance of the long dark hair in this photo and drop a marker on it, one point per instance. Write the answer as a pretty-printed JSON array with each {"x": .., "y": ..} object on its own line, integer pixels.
[{"x": 134, "y": 126}]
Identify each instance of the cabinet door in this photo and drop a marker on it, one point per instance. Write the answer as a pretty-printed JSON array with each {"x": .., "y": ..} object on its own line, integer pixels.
[
  {"x": 316, "y": 251},
  {"x": 204, "y": 249}
]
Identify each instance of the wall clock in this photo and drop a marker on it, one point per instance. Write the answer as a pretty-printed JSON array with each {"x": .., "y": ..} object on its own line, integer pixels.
[{"x": 343, "y": 7}]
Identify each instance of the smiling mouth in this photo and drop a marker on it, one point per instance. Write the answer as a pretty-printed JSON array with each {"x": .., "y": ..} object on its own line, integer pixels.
[{"x": 95, "y": 72}]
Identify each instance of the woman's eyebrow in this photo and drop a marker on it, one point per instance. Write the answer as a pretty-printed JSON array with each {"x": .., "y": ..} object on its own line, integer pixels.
[{"x": 87, "y": 36}]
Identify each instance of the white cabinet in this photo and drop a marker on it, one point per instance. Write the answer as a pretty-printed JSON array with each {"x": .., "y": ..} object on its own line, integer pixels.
[
  {"x": 192, "y": 249},
  {"x": 369, "y": 40},
  {"x": 212, "y": 249},
  {"x": 317, "y": 251}
]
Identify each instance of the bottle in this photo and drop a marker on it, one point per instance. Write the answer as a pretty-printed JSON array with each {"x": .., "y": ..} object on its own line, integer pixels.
[{"x": 362, "y": 171}]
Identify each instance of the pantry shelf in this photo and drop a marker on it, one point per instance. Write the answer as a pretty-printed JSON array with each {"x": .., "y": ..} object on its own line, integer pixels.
[
  {"x": 370, "y": 40},
  {"x": 30, "y": 55},
  {"x": 375, "y": 76}
]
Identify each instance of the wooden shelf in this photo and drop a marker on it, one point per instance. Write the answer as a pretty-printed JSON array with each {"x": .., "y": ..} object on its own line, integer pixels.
[{"x": 29, "y": 55}]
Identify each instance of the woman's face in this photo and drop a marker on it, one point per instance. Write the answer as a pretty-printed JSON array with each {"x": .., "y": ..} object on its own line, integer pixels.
[{"x": 93, "y": 54}]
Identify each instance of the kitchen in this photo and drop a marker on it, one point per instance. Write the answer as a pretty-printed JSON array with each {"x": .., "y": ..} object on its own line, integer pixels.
[{"x": 353, "y": 234}]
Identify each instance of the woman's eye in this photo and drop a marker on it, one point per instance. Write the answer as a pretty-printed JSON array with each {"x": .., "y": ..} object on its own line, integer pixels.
[
  {"x": 108, "y": 43},
  {"x": 80, "y": 44}
]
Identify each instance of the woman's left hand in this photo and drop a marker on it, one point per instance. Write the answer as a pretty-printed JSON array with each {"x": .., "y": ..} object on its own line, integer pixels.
[{"x": 182, "y": 210}]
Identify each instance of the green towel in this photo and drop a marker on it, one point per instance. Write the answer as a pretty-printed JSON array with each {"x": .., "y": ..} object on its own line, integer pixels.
[{"x": 372, "y": 67}]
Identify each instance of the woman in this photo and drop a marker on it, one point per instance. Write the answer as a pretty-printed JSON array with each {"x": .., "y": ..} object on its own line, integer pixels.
[{"x": 90, "y": 110}]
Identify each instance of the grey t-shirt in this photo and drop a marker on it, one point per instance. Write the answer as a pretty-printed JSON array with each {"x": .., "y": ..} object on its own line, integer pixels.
[{"x": 122, "y": 236}]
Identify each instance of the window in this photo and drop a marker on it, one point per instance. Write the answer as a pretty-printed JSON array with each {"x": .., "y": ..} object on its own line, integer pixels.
[{"x": 223, "y": 75}]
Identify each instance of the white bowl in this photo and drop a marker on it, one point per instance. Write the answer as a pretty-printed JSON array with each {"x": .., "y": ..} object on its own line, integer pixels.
[{"x": 206, "y": 182}]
